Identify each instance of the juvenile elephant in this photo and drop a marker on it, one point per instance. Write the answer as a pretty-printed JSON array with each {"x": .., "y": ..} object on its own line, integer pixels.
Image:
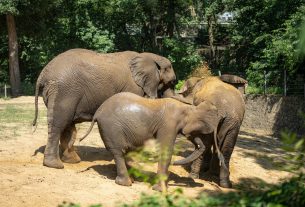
[
  {"x": 126, "y": 121},
  {"x": 229, "y": 113},
  {"x": 75, "y": 83}
]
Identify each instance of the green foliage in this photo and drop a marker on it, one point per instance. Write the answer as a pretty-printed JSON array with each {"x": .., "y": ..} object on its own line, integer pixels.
[
  {"x": 282, "y": 48},
  {"x": 179, "y": 84},
  {"x": 252, "y": 89},
  {"x": 8, "y": 6},
  {"x": 289, "y": 193},
  {"x": 145, "y": 157},
  {"x": 265, "y": 36},
  {"x": 27, "y": 87},
  {"x": 295, "y": 144},
  {"x": 183, "y": 56}
]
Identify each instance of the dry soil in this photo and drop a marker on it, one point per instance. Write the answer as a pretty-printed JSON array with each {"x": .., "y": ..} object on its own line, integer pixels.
[{"x": 24, "y": 181}]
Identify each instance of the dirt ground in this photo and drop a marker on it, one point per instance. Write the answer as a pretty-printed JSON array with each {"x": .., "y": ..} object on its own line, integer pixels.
[{"x": 257, "y": 159}]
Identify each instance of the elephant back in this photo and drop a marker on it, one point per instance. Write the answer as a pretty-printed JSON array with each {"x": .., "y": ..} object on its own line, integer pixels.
[{"x": 226, "y": 97}]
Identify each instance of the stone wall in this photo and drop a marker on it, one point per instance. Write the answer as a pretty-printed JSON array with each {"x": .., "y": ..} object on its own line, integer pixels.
[{"x": 272, "y": 114}]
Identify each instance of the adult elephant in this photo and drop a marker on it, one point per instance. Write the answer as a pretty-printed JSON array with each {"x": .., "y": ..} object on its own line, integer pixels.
[
  {"x": 226, "y": 121},
  {"x": 75, "y": 83}
]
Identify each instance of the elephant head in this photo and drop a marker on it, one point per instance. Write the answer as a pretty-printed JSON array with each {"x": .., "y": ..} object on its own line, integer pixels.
[
  {"x": 167, "y": 74},
  {"x": 188, "y": 87},
  {"x": 203, "y": 119},
  {"x": 153, "y": 73},
  {"x": 187, "y": 90}
]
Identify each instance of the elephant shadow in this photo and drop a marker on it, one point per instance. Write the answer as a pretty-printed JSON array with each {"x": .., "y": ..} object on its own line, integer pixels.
[
  {"x": 86, "y": 153},
  {"x": 181, "y": 181},
  {"x": 109, "y": 172}
]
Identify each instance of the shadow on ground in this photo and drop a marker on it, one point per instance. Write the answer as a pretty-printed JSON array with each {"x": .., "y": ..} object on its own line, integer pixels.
[
  {"x": 265, "y": 150},
  {"x": 108, "y": 170},
  {"x": 86, "y": 153}
]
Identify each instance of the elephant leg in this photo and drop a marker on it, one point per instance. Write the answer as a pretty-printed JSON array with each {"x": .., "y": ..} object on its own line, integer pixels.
[
  {"x": 51, "y": 153},
  {"x": 114, "y": 141},
  {"x": 227, "y": 149},
  {"x": 69, "y": 154},
  {"x": 60, "y": 115},
  {"x": 195, "y": 168},
  {"x": 122, "y": 173},
  {"x": 166, "y": 141}
]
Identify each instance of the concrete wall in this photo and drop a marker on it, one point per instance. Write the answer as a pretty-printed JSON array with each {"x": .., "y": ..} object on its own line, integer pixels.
[{"x": 272, "y": 114}]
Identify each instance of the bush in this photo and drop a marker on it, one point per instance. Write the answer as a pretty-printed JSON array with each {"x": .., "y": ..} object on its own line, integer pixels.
[{"x": 290, "y": 193}]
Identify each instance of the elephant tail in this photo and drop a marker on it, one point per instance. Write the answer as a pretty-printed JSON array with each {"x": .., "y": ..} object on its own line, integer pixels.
[
  {"x": 38, "y": 85},
  {"x": 220, "y": 155},
  {"x": 88, "y": 132}
]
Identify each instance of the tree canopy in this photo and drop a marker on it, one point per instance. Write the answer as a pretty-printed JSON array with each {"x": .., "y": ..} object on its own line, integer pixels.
[{"x": 263, "y": 35}]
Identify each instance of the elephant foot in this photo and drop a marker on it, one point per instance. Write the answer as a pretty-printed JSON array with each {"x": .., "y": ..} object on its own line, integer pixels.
[
  {"x": 132, "y": 179},
  {"x": 225, "y": 183},
  {"x": 53, "y": 163},
  {"x": 126, "y": 181},
  {"x": 193, "y": 175},
  {"x": 158, "y": 187},
  {"x": 70, "y": 157}
]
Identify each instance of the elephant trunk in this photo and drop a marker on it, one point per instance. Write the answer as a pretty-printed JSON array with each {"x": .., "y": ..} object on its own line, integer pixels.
[{"x": 195, "y": 155}]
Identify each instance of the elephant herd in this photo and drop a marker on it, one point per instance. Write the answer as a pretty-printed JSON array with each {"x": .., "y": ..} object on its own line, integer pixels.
[{"x": 131, "y": 96}]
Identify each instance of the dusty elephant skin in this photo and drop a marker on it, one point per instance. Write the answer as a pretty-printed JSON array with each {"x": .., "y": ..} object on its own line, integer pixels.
[
  {"x": 75, "y": 83},
  {"x": 226, "y": 120},
  {"x": 126, "y": 121}
]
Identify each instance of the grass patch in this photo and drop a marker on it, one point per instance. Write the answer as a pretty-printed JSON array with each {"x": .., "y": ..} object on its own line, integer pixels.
[{"x": 19, "y": 114}]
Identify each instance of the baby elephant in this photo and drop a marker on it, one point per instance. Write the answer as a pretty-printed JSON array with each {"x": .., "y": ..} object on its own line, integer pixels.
[{"x": 126, "y": 121}]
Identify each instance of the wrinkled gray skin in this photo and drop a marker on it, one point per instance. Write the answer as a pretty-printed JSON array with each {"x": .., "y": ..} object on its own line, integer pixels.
[
  {"x": 75, "y": 83},
  {"x": 227, "y": 119},
  {"x": 127, "y": 120}
]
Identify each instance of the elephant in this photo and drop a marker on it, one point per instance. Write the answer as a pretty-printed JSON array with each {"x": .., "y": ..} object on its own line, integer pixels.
[
  {"x": 75, "y": 83},
  {"x": 126, "y": 121},
  {"x": 227, "y": 120}
]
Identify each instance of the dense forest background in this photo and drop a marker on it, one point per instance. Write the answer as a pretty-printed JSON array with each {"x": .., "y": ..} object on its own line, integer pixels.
[{"x": 262, "y": 43}]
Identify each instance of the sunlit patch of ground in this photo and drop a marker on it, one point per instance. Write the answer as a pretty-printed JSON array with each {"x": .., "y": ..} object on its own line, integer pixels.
[{"x": 24, "y": 181}]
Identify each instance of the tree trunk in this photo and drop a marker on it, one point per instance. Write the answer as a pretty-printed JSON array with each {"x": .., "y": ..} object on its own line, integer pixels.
[
  {"x": 171, "y": 18},
  {"x": 13, "y": 56},
  {"x": 211, "y": 24}
]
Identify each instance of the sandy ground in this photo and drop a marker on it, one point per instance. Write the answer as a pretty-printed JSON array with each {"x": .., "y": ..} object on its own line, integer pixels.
[{"x": 257, "y": 159}]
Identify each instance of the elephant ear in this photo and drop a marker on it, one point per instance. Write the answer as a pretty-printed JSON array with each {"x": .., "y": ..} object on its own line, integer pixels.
[
  {"x": 189, "y": 85},
  {"x": 145, "y": 73},
  {"x": 167, "y": 73}
]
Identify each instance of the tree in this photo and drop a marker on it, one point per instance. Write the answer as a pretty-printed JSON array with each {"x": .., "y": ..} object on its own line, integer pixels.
[
  {"x": 282, "y": 51},
  {"x": 256, "y": 25},
  {"x": 9, "y": 9}
]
